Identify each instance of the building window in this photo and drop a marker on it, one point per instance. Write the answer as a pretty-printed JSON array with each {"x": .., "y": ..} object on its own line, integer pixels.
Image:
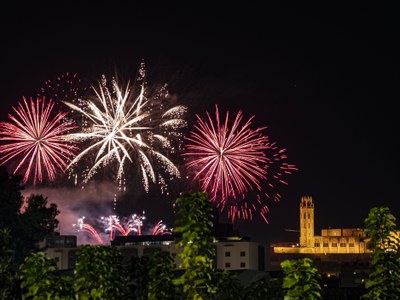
[
  {"x": 304, "y": 215},
  {"x": 227, "y": 265},
  {"x": 342, "y": 244},
  {"x": 227, "y": 254},
  {"x": 242, "y": 253},
  {"x": 308, "y": 225},
  {"x": 243, "y": 265},
  {"x": 316, "y": 244},
  {"x": 334, "y": 244},
  {"x": 351, "y": 245},
  {"x": 326, "y": 245},
  {"x": 309, "y": 216}
]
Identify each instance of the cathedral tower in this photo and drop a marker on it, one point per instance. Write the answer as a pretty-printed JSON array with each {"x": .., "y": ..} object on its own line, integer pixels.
[{"x": 306, "y": 222}]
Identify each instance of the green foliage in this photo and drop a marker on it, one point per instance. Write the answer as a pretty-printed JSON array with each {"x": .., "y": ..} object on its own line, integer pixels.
[
  {"x": 384, "y": 280},
  {"x": 138, "y": 278},
  {"x": 194, "y": 222},
  {"x": 98, "y": 273},
  {"x": 40, "y": 279},
  {"x": 227, "y": 286},
  {"x": 301, "y": 279},
  {"x": 263, "y": 289},
  {"x": 8, "y": 279},
  {"x": 380, "y": 226},
  {"x": 161, "y": 275}
]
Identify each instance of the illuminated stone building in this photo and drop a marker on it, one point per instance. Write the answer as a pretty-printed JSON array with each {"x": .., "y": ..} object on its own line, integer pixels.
[{"x": 331, "y": 241}]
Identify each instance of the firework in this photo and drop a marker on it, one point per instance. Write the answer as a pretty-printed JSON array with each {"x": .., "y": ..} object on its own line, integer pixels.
[
  {"x": 160, "y": 229},
  {"x": 82, "y": 226},
  {"x": 232, "y": 161},
  {"x": 125, "y": 125},
  {"x": 133, "y": 225},
  {"x": 38, "y": 140},
  {"x": 66, "y": 87}
]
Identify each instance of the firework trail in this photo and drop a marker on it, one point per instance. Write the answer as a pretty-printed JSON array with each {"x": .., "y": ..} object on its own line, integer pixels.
[
  {"x": 125, "y": 125},
  {"x": 233, "y": 161},
  {"x": 82, "y": 226},
  {"x": 39, "y": 141}
]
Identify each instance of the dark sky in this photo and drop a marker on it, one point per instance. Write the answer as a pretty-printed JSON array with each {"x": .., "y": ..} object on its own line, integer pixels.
[{"x": 323, "y": 79}]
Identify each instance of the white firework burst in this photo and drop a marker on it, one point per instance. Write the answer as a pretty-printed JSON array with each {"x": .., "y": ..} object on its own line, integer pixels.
[{"x": 126, "y": 126}]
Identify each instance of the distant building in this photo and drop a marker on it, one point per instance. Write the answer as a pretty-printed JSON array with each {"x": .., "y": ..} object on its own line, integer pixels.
[
  {"x": 233, "y": 252},
  {"x": 331, "y": 241},
  {"x": 337, "y": 253},
  {"x": 62, "y": 249}
]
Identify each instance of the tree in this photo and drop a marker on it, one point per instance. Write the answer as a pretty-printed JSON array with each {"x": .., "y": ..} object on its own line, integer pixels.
[
  {"x": 10, "y": 200},
  {"x": 36, "y": 222},
  {"x": 227, "y": 286},
  {"x": 41, "y": 280},
  {"x": 194, "y": 222},
  {"x": 138, "y": 278},
  {"x": 384, "y": 280},
  {"x": 161, "y": 275},
  {"x": 264, "y": 289},
  {"x": 301, "y": 280},
  {"x": 98, "y": 273},
  {"x": 28, "y": 226},
  {"x": 8, "y": 278}
]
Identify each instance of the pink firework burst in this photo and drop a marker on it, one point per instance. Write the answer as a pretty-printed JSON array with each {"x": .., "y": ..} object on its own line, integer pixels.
[
  {"x": 38, "y": 140},
  {"x": 235, "y": 164}
]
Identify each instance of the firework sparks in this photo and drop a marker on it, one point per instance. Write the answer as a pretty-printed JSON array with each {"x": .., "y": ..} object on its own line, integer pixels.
[
  {"x": 67, "y": 87},
  {"x": 125, "y": 128},
  {"x": 38, "y": 139},
  {"x": 113, "y": 226},
  {"x": 160, "y": 229},
  {"x": 82, "y": 226},
  {"x": 231, "y": 161}
]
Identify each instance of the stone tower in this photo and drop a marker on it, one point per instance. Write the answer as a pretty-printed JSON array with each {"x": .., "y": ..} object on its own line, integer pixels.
[{"x": 306, "y": 222}]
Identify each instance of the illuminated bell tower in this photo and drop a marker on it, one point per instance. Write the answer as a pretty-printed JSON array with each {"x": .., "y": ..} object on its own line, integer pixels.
[{"x": 306, "y": 222}]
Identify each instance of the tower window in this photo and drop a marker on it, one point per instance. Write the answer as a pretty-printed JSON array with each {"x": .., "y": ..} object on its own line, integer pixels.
[
  {"x": 342, "y": 244},
  {"x": 334, "y": 244},
  {"x": 309, "y": 216}
]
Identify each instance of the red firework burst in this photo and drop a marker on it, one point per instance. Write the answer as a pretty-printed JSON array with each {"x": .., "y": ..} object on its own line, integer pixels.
[
  {"x": 37, "y": 140},
  {"x": 230, "y": 161}
]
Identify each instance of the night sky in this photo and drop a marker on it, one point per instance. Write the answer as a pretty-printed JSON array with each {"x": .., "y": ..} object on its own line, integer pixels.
[{"x": 323, "y": 79}]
